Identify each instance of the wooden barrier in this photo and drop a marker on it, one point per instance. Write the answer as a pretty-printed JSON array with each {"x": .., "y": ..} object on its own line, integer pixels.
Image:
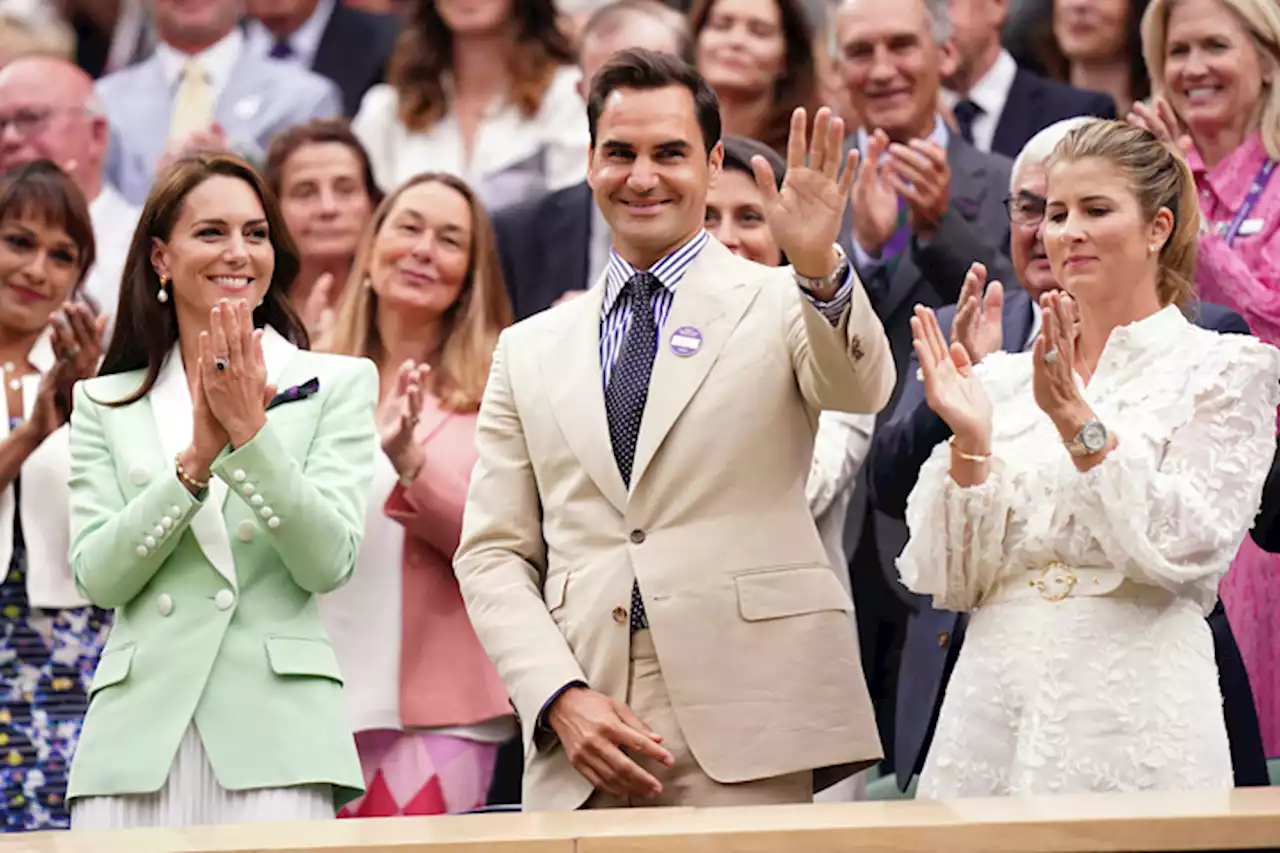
[{"x": 1246, "y": 819}]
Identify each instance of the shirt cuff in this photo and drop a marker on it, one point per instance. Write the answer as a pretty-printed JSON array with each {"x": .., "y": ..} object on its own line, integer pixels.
[
  {"x": 833, "y": 309},
  {"x": 864, "y": 261},
  {"x": 543, "y": 723}
]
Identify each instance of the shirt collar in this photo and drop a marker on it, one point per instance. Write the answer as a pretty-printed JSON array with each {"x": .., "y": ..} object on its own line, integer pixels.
[
  {"x": 991, "y": 92},
  {"x": 217, "y": 61},
  {"x": 305, "y": 40},
  {"x": 669, "y": 271},
  {"x": 940, "y": 135},
  {"x": 1149, "y": 332},
  {"x": 1231, "y": 178}
]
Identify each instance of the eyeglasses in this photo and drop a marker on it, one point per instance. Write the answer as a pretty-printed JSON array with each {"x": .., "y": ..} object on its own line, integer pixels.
[
  {"x": 1025, "y": 208},
  {"x": 29, "y": 122}
]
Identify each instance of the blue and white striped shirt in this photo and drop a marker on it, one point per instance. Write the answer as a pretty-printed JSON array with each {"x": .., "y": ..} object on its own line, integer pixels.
[{"x": 615, "y": 313}]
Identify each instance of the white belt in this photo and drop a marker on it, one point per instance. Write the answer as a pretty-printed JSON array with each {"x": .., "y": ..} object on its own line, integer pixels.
[{"x": 1057, "y": 581}]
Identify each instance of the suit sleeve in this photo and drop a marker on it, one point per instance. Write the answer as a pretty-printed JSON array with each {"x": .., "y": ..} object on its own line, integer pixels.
[
  {"x": 327, "y": 102},
  {"x": 314, "y": 512},
  {"x": 117, "y": 545},
  {"x": 844, "y": 366},
  {"x": 502, "y": 556},
  {"x": 945, "y": 259},
  {"x": 430, "y": 508},
  {"x": 1266, "y": 526}
]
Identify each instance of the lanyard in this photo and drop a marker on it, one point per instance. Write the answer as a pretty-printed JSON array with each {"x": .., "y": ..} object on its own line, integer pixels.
[{"x": 1255, "y": 191}]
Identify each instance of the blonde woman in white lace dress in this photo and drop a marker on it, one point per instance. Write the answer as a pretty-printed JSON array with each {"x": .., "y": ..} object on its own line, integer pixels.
[{"x": 1093, "y": 496}]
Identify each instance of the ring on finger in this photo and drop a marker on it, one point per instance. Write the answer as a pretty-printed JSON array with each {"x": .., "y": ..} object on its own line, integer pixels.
[
  {"x": 1051, "y": 356},
  {"x": 221, "y": 363}
]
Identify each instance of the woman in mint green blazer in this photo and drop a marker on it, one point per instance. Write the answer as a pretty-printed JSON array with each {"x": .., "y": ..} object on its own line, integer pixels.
[{"x": 219, "y": 472}]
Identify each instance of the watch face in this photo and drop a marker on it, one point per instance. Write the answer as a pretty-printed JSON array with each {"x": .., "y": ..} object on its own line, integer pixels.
[{"x": 1093, "y": 436}]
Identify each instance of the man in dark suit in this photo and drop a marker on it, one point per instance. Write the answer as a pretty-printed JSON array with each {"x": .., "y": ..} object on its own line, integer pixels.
[
  {"x": 558, "y": 244},
  {"x": 934, "y": 206},
  {"x": 901, "y": 447},
  {"x": 997, "y": 105},
  {"x": 349, "y": 46}
]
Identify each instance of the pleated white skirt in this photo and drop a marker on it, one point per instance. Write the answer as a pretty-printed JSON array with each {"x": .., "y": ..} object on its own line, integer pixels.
[{"x": 192, "y": 797}]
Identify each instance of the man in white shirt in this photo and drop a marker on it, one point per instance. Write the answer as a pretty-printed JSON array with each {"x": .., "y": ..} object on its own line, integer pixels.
[
  {"x": 202, "y": 89},
  {"x": 349, "y": 46},
  {"x": 48, "y": 110},
  {"x": 998, "y": 106}
]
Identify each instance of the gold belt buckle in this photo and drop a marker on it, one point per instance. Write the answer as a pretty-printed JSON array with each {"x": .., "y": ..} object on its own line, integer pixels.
[{"x": 1064, "y": 581}]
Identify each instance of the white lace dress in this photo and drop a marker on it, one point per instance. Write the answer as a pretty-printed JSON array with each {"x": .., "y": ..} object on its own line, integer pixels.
[{"x": 1087, "y": 663}]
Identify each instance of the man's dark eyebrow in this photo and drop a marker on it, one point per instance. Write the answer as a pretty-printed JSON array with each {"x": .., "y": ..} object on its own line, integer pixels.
[
  {"x": 1028, "y": 195},
  {"x": 616, "y": 145}
]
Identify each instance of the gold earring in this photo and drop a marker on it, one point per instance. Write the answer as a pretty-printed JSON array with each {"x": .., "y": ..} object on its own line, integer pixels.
[{"x": 163, "y": 295}]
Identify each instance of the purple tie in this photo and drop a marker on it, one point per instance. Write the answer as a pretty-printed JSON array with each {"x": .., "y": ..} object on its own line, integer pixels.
[{"x": 281, "y": 50}]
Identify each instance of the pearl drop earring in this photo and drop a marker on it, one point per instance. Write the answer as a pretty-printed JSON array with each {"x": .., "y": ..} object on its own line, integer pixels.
[{"x": 163, "y": 295}]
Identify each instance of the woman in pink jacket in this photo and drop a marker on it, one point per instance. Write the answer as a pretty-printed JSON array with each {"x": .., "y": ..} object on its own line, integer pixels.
[
  {"x": 1216, "y": 69},
  {"x": 426, "y": 302}
]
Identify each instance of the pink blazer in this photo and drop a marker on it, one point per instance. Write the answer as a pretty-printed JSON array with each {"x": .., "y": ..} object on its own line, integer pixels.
[{"x": 446, "y": 679}]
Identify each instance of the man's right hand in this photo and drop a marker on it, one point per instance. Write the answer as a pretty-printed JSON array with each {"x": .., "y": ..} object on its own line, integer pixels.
[
  {"x": 597, "y": 732},
  {"x": 979, "y": 322}
]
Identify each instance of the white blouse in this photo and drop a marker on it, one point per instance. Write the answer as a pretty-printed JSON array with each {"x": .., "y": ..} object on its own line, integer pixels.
[
  {"x": 1194, "y": 413},
  {"x": 1087, "y": 663},
  {"x": 514, "y": 158}
]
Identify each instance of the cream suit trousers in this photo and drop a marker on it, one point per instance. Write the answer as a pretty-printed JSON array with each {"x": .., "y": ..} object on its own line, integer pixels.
[{"x": 684, "y": 783}]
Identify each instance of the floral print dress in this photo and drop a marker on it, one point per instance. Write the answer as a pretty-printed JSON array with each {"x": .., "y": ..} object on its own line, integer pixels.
[{"x": 47, "y": 659}]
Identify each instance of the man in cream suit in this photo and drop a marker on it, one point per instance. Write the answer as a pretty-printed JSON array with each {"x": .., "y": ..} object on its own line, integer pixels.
[{"x": 637, "y": 554}]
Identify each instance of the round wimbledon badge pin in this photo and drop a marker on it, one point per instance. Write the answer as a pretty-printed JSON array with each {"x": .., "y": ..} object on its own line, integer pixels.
[{"x": 685, "y": 341}]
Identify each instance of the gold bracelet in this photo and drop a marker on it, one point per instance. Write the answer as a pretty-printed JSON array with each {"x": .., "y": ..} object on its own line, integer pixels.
[
  {"x": 968, "y": 457},
  {"x": 187, "y": 480}
]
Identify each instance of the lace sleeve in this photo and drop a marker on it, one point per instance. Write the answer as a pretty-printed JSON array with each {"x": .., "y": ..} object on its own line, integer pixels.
[
  {"x": 1176, "y": 514},
  {"x": 957, "y": 541}
]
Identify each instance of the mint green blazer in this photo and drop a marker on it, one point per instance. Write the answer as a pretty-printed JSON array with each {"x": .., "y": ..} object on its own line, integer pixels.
[{"x": 215, "y": 600}]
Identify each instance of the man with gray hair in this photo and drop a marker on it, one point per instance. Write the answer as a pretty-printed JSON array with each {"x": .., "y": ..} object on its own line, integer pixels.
[
  {"x": 48, "y": 111},
  {"x": 555, "y": 246},
  {"x": 1008, "y": 318},
  {"x": 925, "y": 205}
]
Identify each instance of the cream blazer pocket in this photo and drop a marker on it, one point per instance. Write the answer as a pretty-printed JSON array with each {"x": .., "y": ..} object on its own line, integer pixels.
[
  {"x": 113, "y": 668},
  {"x": 303, "y": 656},
  {"x": 791, "y": 591}
]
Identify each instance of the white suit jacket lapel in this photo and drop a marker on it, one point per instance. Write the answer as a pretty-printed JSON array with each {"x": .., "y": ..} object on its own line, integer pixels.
[{"x": 171, "y": 407}]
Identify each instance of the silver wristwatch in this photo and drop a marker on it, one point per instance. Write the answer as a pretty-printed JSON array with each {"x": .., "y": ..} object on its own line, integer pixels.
[
  {"x": 1091, "y": 439},
  {"x": 835, "y": 277}
]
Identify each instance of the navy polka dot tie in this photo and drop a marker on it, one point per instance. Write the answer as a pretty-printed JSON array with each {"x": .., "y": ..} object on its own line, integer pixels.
[{"x": 627, "y": 391}]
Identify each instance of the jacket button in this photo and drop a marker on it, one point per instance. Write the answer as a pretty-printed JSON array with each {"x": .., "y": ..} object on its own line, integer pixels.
[
  {"x": 164, "y": 604},
  {"x": 944, "y": 640},
  {"x": 619, "y": 614},
  {"x": 238, "y": 475},
  {"x": 637, "y": 536},
  {"x": 224, "y": 599},
  {"x": 246, "y": 530}
]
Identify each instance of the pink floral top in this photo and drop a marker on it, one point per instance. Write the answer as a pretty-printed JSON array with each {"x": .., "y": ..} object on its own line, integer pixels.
[{"x": 1244, "y": 276}]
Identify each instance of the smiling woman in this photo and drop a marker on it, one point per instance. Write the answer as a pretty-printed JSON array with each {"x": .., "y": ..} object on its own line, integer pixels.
[
  {"x": 181, "y": 441},
  {"x": 50, "y": 636}
]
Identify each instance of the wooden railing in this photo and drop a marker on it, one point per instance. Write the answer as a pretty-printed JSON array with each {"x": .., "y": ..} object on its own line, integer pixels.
[{"x": 1247, "y": 819}]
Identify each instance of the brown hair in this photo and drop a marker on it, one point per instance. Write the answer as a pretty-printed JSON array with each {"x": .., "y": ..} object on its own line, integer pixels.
[
  {"x": 43, "y": 191},
  {"x": 317, "y": 132},
  {"x": 1159, "y": 178},
  {"x": 1058, "y": 66},
  {"x": 425, "y": 52},
  {"x": 146, "y": 328},
  {"x": 1261, "y": 19},
  {"x": 797, "y": 86},
  {"x": 460, "y": 367}
]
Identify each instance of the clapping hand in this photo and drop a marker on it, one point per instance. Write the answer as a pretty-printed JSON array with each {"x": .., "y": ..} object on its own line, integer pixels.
[
  {"x": 951, "y": 388},
  {"x": 233, "y": 372},
  {"x": 1159, "y": 118},
  {"x": 805, "y": 215},
  {"x": 919, "y": 173},
  {"x": 1054, "y": 360},
  {"x": 978, "y": 324},
  {"x": 875, "y": 204},
  {"x": 397, "y": 418}
]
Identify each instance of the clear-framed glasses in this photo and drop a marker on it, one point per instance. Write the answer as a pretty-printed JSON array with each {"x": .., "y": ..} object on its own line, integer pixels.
[{"x": 1025, "y": 208}]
